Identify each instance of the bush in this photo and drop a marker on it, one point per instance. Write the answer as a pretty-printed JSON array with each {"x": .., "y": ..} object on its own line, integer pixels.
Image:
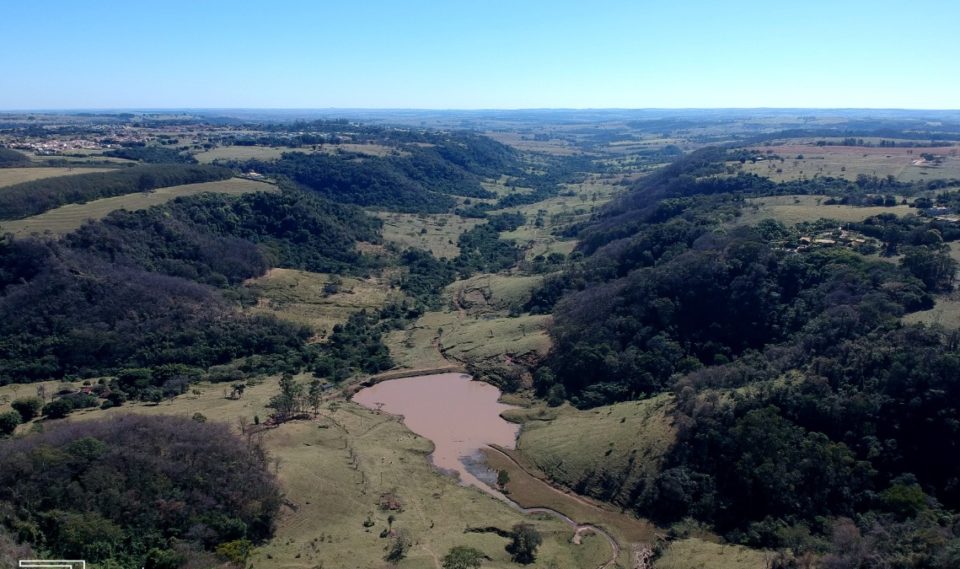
[
  {"x": 9, "y": 422},
  {"x": 57, "y": 409},
  {"x": 28, "y": 407}
]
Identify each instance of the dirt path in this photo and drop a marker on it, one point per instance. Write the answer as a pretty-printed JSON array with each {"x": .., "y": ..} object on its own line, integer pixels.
[{"x": 579, "y": 529}]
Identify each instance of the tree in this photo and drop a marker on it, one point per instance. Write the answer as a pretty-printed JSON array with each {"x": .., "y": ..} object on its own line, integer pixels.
[
  {"x": 503, "y": 478},
  {"x": 57, "y": 409},
  {"x": 9, "y": 422},
  {"x": 525, "y": 539},
  {"x": 399, "y": 547},
  {"x": 314, "y": 395},
  {"x": 28, "y": 407},
  {"x": 290, "y": 399},
  {"x": 238, "y": 389},
  {"x": 463, "y": 557}
]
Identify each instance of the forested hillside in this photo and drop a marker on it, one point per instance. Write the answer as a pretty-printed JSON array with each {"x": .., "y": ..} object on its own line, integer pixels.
[
  {"x": 147, "y": 288},
  {"x": 159, "y": 491},
  {"x": 416, "y": 177},
  {"x": 801, "y": 397}
]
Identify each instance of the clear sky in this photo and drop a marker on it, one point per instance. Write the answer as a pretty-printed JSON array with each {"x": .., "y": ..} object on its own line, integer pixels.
[{"x": 470, "y": 54}]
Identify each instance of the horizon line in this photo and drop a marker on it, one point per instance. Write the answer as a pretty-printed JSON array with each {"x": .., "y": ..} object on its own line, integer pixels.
[{"x": 468, "y": 109}]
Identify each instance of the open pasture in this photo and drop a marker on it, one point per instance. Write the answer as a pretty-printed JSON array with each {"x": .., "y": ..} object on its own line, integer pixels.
[
  {"x": 70, "y": 217},
  {"x": 791, "y": 210},
  {"x": 436, "y": 233},
  {"x": 318, "y": 300},
  {"x": 848, "y": 162},
  {"x": 11, "y": 176}
]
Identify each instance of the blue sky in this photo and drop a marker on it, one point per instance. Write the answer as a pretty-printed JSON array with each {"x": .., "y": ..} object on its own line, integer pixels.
[{"x": 479, "y": 54}]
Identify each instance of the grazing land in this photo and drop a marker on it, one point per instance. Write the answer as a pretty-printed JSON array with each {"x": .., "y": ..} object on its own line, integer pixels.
[
  {"x": 11, "y": 176},
  {"x": 317, "y": 300},
  {"x": 696, "y": 553},
  {"x": 584, "y": 449},
  {"x": 70, "y": 217},
  {"x": 804, "y": 161},
  {"x": 791, "y": 210},
  {"x": 435, "y": 233}
]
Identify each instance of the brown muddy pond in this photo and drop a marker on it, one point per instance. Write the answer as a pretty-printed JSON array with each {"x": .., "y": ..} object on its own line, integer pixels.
[{"x": 458, "y": 415}]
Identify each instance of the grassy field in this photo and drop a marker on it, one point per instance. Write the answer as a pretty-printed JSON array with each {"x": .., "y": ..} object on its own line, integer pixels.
[
  {"x": 11, "y": 176},
  {"x": 791, "y": 210},
  {"x": 946, "y": 312},
  {"x": 244, "y": 153},
  {"x": 904, "y": 164},
  {"x": 303, "y": 297},
  {"x": 333, "y": 470},
  {"x": 694, "y": 553},
  {"x": 558, "y": 212},
  {"x": 67, "y": 218},
  {"x": 578, "y": 448},
  {"x": 475, "y": 325},
  {"x": 275, "y": 152},
  {"x": 435, "y": 233}
]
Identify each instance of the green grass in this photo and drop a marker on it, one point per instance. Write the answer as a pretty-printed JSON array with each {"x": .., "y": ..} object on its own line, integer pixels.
[
  {"x": 299, "y": 296},
  {"x": 791, "y": 210},
  {"x": 694, "y": 553},
  {"x": 435, "y": 233},
  {"x": 11, "y": 176},
  {"x": 577, "y": 448},
  {"x": 70, "y": 217}
]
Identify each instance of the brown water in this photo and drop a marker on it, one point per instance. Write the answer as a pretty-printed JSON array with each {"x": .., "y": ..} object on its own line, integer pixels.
[{"x": 460, "y": 416}]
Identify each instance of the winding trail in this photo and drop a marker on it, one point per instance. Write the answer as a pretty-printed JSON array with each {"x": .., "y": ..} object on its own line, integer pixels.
[{"x": 579, "y": 529}]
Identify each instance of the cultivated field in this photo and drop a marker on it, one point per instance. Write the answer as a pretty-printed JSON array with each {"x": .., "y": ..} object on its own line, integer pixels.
[
  {"x": 904, "y": 164},
  {"x": 317, "y": 300},
  {"x": 11, "y": 176},
  {"x": 791, "y": 210},
  {"x": 70, "y": 217}
]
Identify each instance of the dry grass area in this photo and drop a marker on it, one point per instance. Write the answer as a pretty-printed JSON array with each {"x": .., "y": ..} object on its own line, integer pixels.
[
  {"x": 791, "y": 210},
  {"x": 70, "y": 217},
  {"x": 538, "y": 238},
  {"x": 11, "y": 176},
  {"x": 275, "y": 152},
  {"x": 245, "y": 153},
  {"x": 318, "y": 300},
  {"x": 475, "y": 326},
  {"x": 694, "y": 553},
  {"x": 904, "y": 164},
  {"x": 435, "y": 233},
  {"x": 579, "y": 448}
]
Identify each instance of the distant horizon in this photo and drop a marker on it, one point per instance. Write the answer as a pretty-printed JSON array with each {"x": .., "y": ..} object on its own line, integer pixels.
[{"x": 469, "y": 109}]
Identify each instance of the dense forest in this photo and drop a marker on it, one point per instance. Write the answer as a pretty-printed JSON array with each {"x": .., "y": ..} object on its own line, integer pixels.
[
  {"x": 801, "y": 398},
  {"x": 158, "y": 492},
  {"x": 30, "y": 198},
  {"x": 10, "y": 158}
]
